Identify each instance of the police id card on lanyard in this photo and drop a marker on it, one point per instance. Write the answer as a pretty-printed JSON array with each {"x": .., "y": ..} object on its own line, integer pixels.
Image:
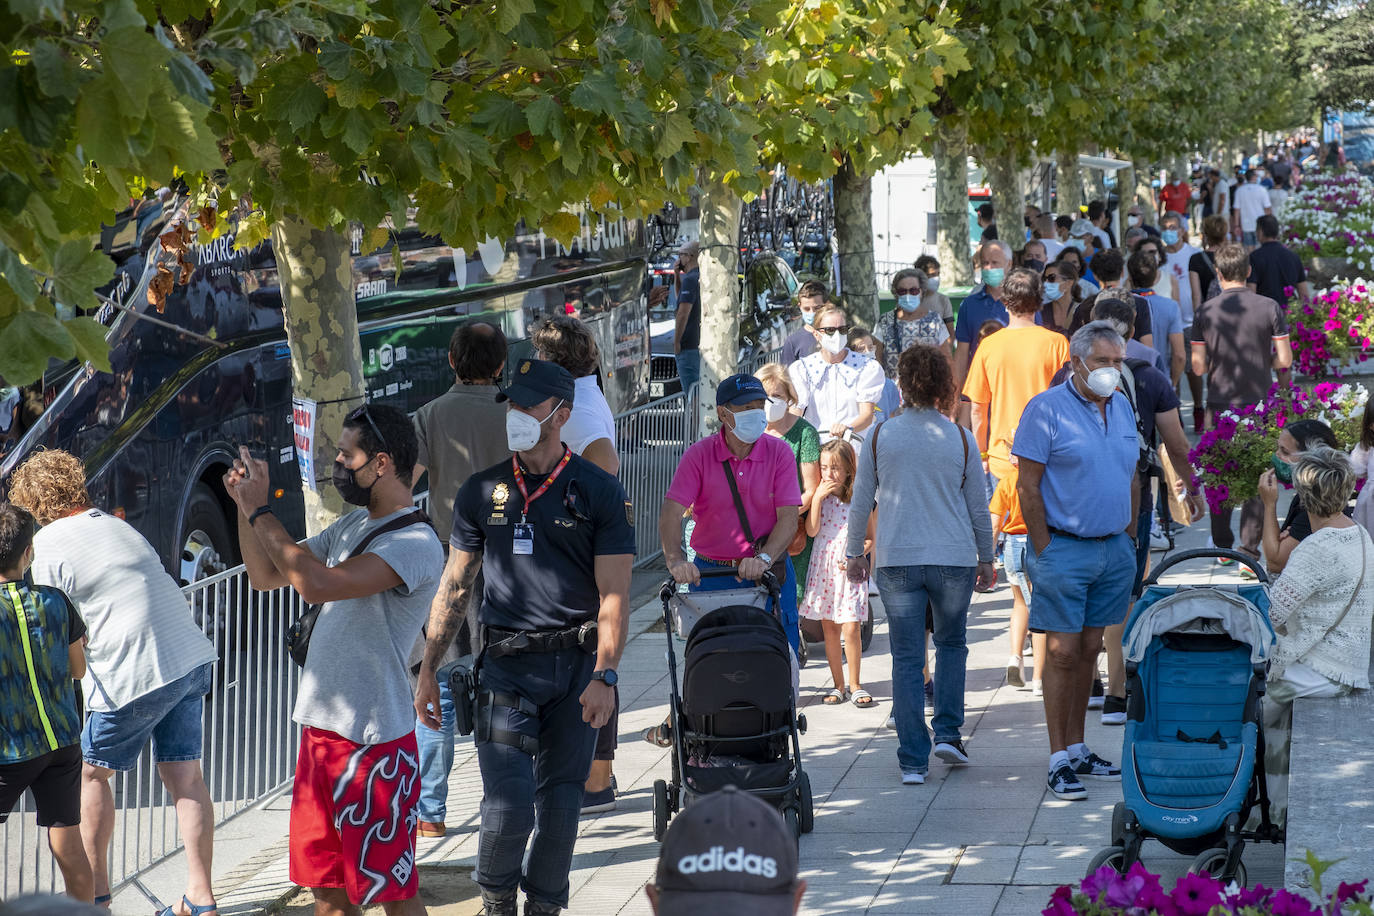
[{"x": 523, "y": 542}]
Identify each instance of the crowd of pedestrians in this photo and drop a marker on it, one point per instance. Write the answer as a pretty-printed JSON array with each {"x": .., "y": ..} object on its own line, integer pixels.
[{"x": 1032, "y": 429}]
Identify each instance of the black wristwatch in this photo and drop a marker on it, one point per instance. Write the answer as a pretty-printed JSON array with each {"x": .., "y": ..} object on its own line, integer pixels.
[
  {"x": 257, "y": 513},
  {"x": 607, "y": 676}
]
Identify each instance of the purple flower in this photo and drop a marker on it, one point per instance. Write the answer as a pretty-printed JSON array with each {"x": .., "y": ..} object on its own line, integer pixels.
[
  {"x": 1061, "y": 903},
  {"x": 1350, "y": 891},
  {"x": 1286, "y": 903},
  {"x": 1195, "y": 895},
  {"x": 1255, "y": 897},
  {"x": 1095, "y": 884}
]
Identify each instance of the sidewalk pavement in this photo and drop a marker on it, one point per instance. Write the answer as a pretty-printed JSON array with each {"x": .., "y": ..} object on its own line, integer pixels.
[{"x": 986, "y": 838}]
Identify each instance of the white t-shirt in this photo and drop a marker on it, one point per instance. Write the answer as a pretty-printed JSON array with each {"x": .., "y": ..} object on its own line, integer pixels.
[
  {"x": 355, "y": 682},
  {"x": 1177, "y": 266},
  {"x": 591, "y": 416},
  {"x": 1251, "y": 200},
  {"x": 831, "y": 393},
  {"x": 141, "y": 631},
  {"x": 1103, "y": 239},
  {"x": 1052, "y": 249}
]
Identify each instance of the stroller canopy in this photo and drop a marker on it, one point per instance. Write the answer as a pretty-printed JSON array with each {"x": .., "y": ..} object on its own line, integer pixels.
[{"x": 1241, "y": 613}]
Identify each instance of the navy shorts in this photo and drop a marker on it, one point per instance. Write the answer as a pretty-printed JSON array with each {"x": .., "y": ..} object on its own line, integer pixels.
[
  {"x": 170, "y": 715},
  {"x": 1080, "y": 583}
]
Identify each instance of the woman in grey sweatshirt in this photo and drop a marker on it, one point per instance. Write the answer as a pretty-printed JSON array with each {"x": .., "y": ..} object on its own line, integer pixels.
[{"x": 925, "y": 476}]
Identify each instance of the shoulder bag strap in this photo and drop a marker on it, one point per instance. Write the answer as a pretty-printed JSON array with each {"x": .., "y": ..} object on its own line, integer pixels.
[
  {"x": 739, "y": 503},
  {"x": 414, "y": 517},
  {"x": 873, "y": 447},
  {"x": 1359, "y": 583}
]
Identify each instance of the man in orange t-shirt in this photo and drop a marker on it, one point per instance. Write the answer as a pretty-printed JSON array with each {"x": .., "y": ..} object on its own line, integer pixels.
[{"x": 1011, "y": 367}]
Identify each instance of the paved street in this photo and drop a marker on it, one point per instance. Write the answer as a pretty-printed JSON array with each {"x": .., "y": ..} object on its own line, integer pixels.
[{"x": 982, "y": 839}]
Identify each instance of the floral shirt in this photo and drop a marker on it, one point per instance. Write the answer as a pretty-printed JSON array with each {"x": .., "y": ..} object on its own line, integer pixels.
[{"x": 896, "y": 335}]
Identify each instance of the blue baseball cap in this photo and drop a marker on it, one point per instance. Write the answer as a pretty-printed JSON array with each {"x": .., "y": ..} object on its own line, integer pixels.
[
  {"x": 535, "y": 381},
  {"x": 740, "y": 389}
]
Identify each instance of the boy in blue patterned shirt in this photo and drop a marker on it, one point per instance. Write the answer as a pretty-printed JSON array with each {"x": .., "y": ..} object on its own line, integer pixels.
[{"x": 41, "y": 652}]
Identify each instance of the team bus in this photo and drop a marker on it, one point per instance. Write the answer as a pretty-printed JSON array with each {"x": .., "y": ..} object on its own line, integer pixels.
[{"x": 212, "y": 371}]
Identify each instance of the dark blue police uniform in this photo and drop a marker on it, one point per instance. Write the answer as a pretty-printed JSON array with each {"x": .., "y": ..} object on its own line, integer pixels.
[{"x": 533, "y": 748}]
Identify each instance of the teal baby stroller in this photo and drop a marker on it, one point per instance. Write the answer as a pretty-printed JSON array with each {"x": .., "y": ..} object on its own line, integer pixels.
[{"x": 1193, "y": 757}]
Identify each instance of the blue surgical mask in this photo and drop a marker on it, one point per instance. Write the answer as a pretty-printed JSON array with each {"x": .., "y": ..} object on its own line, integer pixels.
[
  {"x": 808, "y": 318},
  {"x": 932, "y": 284},
  {"x": 1169, "y": 236},
  {"x": 1053, "y": 291},
  {"x": 993, "y": 276},
  {"x": 908, "y": 302},
  {"x": 1074, "y": 243}
]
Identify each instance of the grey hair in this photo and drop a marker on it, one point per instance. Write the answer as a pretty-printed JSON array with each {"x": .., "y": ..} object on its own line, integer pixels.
[
  {"x": 901, "y": 275},
  {"x": 1133, "y": 235},
  {"x": 1081, "y": 344},
  {"x": 997, "y": 243},
  {"x": 1324, "y": 480}
]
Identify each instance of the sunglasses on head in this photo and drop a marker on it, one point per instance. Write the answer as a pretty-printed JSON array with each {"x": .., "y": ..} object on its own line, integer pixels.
[
  {"x": 361, "y": 413},
  {"x": 840, "y": 328}
]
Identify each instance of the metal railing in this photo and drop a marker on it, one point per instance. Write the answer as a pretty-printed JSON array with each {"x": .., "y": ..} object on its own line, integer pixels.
[
  {"x": 249, "y": 741},
  {"x": 886, "y": 270}
]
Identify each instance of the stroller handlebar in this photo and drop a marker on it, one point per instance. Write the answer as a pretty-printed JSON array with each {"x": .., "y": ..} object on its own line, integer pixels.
[
  {"x": 768, "y": 581},
  {"x": 1261, "y": 574}
]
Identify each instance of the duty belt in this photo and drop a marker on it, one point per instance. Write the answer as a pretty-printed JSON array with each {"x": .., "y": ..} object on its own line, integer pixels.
[{"x": 502, "y": 641}]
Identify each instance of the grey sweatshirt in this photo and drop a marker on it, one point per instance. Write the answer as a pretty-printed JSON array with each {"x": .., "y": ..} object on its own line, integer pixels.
[{"x": 926, "y": 517}]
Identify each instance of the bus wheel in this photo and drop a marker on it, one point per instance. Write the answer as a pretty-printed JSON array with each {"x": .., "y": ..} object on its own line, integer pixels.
[{"x": 207, "y": 546}]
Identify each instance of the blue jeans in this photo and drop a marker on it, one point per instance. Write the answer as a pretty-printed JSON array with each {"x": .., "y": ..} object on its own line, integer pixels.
[
  {"x": 436, "y": 759},
  {"x": 787, "y": 603},
  {"x": 539, "y": 794},
  {"x": 906, "y": 592},
  {"x": 688, "y": 368}
]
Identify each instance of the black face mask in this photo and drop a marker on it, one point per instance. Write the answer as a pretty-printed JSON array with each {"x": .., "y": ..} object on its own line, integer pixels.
[{"x": 345, "y": 480}]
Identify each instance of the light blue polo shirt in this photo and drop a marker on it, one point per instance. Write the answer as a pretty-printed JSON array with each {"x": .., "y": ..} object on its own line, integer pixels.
[{"x": 1089, "y": 464}]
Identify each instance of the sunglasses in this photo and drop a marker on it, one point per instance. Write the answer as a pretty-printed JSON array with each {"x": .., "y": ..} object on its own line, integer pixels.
[
  {"x": 1052, "y": 278},
  {"x": 839, "y": 328},
  {"x": 908, "y": 290},
  {"x": 361, "y": 413}
]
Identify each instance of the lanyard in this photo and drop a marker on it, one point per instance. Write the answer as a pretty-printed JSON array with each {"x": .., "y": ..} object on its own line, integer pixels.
[{"x": 548, "y": 482}]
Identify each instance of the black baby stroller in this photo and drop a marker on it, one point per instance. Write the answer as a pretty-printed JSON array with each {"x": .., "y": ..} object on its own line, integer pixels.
[
  {"x": 1193, "y": 757},
  {"x": 735, "y": 722}
]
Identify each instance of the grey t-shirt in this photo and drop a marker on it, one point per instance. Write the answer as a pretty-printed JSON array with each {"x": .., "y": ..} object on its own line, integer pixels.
[{"x": 355, "y": 678}]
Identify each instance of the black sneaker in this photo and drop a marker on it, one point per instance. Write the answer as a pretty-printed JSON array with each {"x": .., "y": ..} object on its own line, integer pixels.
[
  {"x": 1095, "y": 767},
  {"x": 1095, "y": 698},
  {"x": 1114, "y": 711},
  {"x": 951, "y": 752},
  {"x": 1064, "y": 784}
]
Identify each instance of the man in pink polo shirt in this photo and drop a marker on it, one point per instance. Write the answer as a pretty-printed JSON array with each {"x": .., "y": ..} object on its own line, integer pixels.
[{"x": 764, "y": 472}]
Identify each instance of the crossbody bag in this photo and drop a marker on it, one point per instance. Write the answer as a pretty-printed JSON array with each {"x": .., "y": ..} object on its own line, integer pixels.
[
  {"x": 298, "y": 635},
  {"x": 779, "y": 567}
]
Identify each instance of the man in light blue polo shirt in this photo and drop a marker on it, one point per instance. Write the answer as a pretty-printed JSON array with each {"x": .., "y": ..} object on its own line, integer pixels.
[{"x": 1078, "y": 450}]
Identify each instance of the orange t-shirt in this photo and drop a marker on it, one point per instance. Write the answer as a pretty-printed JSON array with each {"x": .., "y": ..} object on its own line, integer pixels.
[
  {"x": 1006, "y": 505},
  {"x": 1011, "y": 367}
]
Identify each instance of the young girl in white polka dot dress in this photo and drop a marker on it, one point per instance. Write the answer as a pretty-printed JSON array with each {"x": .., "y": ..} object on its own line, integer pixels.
[{"x": 840, "y": 605}]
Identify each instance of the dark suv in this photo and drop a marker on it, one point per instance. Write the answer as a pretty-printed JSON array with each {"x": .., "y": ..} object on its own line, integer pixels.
[{"x": 768, "y": 289}]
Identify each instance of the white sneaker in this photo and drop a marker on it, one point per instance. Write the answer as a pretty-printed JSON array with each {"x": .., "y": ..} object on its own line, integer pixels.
[
  {"x": 913, "y": 779},
  {"x": 1158, "y": 541},
  {"x": 892, "y": 722},
  {"x": 1037, "y": 688}
]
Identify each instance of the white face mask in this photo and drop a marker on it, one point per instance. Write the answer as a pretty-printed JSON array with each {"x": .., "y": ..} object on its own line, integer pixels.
[
  {"x": 1132, "y": 220},
  {"x": 833, "y": 343},
  {"x": 522, "y": 430},
  {"x": 749, "y": 425},
  {"x": 775, "y": 409},
  {"x": 1102, "y": 382}
]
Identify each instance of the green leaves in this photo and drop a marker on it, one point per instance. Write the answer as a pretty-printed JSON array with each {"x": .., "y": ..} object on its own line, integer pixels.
[
  {"x": 27, "y": 340},
  {"x": 77, "y": 272}
]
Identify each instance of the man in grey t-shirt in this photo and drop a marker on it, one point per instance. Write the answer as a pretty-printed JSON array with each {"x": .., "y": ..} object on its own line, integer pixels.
[{"x": 353, "y": 805}]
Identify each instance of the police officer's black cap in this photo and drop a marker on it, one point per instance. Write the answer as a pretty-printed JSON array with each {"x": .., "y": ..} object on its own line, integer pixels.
[{"x": 536, "y": 381}]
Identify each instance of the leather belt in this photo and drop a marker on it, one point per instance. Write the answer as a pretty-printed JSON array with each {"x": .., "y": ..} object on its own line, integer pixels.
[
  {"x": 1081, "y": 537},
  {"x": 501, "y": 641}
]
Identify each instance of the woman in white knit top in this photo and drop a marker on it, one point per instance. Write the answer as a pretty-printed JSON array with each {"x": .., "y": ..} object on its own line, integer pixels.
[{"x": 1322, "y": 607}]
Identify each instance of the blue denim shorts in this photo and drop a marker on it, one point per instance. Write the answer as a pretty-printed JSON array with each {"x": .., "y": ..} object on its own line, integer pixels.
[
  {"x": 170, "y": 715},
  {"x": 1080, "y": 583},
  {"x": 1014, "y": 560}
]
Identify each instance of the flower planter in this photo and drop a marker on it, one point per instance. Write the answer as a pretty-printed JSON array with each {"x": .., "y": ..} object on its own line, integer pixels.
[{"x": 1326, "y": 271}]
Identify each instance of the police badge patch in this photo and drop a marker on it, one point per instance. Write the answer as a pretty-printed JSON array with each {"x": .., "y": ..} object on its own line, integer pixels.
[
  {"x": 499, "y": 494},
  {"x": 629, "y": 513}
]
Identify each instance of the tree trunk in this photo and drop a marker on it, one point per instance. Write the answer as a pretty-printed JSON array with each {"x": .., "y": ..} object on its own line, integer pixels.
[
  {"x": 1068, "y": 184},
  {"x": 854, "y": 233},
  {"x": 316, "y": 271},
  {"x": 720, "y": 213},
  {"x": 1008, "y": 197},
  {"x": 1125, "y": 188},
  {"x": 1144, "y": 193},
  {"x": 951, "y": 205}
]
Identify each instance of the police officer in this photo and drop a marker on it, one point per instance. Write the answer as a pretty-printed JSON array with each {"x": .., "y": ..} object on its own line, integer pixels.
[{"x": 556, "y": 537}]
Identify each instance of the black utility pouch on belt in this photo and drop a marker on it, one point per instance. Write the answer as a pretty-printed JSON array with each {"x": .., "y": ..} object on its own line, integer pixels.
[{"x": 462, "y": 684}]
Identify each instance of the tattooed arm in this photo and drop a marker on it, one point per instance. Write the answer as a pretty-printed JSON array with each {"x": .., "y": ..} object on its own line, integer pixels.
[{"x": 445, "y": 619}]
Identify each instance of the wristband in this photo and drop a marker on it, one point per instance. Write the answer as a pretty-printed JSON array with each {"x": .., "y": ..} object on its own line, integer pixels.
[{"x": 257, "y": 513}]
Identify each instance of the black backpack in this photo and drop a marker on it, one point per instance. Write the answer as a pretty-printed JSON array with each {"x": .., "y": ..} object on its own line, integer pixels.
[{"x": 1148, "y": 463}]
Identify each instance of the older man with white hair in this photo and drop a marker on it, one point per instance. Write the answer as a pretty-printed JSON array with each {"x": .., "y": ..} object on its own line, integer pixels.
[
  {"x": 985, "y": 303},
  {"x": 1078, "y": 448}
]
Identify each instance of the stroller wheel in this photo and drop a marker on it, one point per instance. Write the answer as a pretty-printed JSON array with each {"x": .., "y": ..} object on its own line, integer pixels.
[
  {"x": 1213, "y": 862},
  {"x": 793, "y": 819},
  {"x": 1119, "y": 824},
  {"x": 660, "y": 808},
  {"x": 1114, "y": 856},
  {"x": 806, "y": 814}
]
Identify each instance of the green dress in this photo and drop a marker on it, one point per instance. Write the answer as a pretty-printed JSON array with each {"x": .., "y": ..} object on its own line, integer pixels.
[{"x": 806, "y": 446}]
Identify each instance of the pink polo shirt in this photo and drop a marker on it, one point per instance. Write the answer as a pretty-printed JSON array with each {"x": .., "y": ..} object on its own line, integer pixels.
[{"x": 766, "y": 477}]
